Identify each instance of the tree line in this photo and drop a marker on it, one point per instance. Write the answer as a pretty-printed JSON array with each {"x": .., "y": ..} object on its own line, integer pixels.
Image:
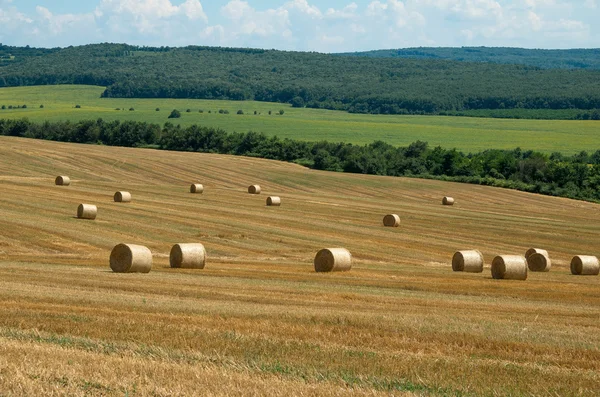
[
  {"x": 355, "y": 84},
  {"x": 576, "y": 176}
]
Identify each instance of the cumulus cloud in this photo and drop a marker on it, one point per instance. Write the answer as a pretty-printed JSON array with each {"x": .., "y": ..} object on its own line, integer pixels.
[{"x": 308, "y": 24}]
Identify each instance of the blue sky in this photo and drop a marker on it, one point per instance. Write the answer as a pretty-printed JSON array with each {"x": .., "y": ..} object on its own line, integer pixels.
[{"x": 305, "y": 25}]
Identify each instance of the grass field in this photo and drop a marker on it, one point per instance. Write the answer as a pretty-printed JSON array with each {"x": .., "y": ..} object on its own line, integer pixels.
[
  {"x": 258, "y": 320},
  {"x": 464, "y": 133}
]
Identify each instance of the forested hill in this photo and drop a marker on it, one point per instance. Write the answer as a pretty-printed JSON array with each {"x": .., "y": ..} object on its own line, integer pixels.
[
  {"x": 355, "y": 84},
  {"x": 562, "y": 59}
]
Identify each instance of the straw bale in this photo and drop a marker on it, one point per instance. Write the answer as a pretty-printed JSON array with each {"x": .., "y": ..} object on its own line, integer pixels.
[
  {"x": 254, "y": 189},
  {"x": 188, "y": 256},
  {"x": 585, "y": 265},
  {"x": 122, "y": 197},
  {"x": 130, "y": 258},
  {"x": 87, "y": 211},
  {"x": 62, "y": 180},
  {"x": 509, "y": 267},
  {"x": 273, "y": 201},
  {"x": 391, "y": 220},
  {"x": 532, "y": 251},
  {"x": 539, "y": 262},
  {"x": 470, "y": 261},
  {"x": 333, "y": 260},
  {"x": 196, "y": 188},
  {"x": 448, "y": 201}
]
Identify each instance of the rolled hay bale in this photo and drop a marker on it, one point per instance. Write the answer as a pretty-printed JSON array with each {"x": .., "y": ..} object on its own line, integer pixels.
[
  {"x": 254, "y": 189},
  {"x": 539, "y": 262},
  {"x": 391, "y": 220},
  {"x": 122, "y": 197},
  {"x": 509, "y": 267},
  {"x": 130, "y": 258},
  {"x": 470, "y": 261},
  {"x": 585, "y": 265},
  {"x": 87, "y": 211},
  {"x": 333, "y": 260},
  {"x": 196, "y": 188},
  {"x": 532, "y": 251},
  {"x": 62, "y": 180},
  {"x": 188, "y": 256},
  {"x": 273, "y": 201},
  {"x": 448, "y": 201}
]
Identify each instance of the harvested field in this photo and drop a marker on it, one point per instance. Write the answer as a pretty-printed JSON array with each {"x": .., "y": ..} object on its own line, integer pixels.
[{"x": 259, "y": 320}]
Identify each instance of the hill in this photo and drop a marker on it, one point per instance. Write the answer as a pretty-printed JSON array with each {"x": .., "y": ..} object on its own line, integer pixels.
[
  {"x": 258, "y": 320},
  {"x": 580, "y": 58},
  {"x": 360, "y": 85}
]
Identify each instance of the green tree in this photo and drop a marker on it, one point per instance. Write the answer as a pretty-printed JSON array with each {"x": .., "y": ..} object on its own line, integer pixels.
[{"x": 175, "y": 114}]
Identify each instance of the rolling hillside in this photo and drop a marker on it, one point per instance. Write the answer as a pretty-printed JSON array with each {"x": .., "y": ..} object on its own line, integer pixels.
[{"x": 258, "y": 320}]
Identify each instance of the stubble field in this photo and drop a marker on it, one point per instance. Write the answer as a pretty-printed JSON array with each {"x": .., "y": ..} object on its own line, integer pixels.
[{"x": 258, "y": 320}]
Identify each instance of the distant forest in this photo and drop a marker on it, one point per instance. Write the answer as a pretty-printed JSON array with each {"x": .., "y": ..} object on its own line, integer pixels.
[
  {"x": 547, "y": 59},
  {"x": 576, "y": 176},
  {"x": 361, "y": 84}
]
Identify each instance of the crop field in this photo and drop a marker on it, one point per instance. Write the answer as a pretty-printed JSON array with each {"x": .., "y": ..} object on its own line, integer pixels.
[
  {"x": 463, "y": 133},
  {"x": 258, "y": 320}
]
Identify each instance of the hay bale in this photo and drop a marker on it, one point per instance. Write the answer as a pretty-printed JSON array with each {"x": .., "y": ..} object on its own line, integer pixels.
[
  {"x": 539, "y": 262},
  {"x": 273, "y": 201},
  {"x": 448, "y": 201},
  {"x": 532, "y": 251},
  {"x": 196, "y": 188},
  {"x": 470, "y": 261},
  {"x": 62, "y": 180},
  {"x": 87, "y": 211},
  {"x": 585, "y": 265},
  {"x": 254, "y": 189},
  {"x": 188, "y": 256},
  {"x": 130, "y": 258},
  {"x": 509, "y": 267},
  {"x": 333, "y": 260},
  {"x": 391, "y": 220},
  {"x": 122, "y": 197}
]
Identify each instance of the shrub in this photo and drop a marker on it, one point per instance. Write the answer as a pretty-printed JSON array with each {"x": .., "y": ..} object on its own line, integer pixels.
[
  {"x": 24, "y": 106},
  {"x": 41, "y": 106},
  {"x": 175, "y": 114},
  {"x": 3, "y": 107},
  {"x": 131, "y": 109},
  {"x": 200, "y": 111},
  {"x": 188, "y": 110},
  {"x": 240, "y": 111},
  {"x": 281, "y": 111},
  {"x": 158, "y": 109},
  {"x": 77, "y": 106}
]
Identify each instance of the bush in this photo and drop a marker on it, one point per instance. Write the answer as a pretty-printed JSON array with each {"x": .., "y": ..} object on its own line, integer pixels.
[
  {"x": 10, "y": 106},
  {"x": 41, "y": 106},
  {"x": 158, "y": 109},
  {"x": 200, "y": 111},
  {"x": 269, "y": 112},
  {"x": 77, "y": 106},
  {"x": 24, "y": 106},
  {"x": 255, "y": 112},
  {"x": 131, "y": 109},
  {"x": 117, "y": 108},
  {"x": 240, "y": 111},
  {"x": 175, "y": 114},
  {"x": 281, "y": 111},
  {"x": 3, "y": 107},
  {"x": 188, "y": 110}
]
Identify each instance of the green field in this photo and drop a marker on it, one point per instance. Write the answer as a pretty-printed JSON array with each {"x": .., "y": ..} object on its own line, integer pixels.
[{"x": 464, "y": 133}]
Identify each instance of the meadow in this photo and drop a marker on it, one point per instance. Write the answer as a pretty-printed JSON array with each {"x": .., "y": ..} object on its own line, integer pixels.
[
  {"x": 258, "y": 320},
  {"x": 469, "y": 134}
]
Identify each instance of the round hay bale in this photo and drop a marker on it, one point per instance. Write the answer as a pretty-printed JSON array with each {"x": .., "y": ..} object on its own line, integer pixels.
[
  {"x": 391, "y": 220},
  {"x": 585, "y": 265},
  {"x": 273, "y": 201},
  {"x": 130, "y": 258},
  {"x": 254, "y": 189},
  {"x": 470, "y": 261},
  {"x": 539, "y": 262},
  {"x": 333, "y": 260},
  {"x": 532, "y": 251},
  {"x": 509, "y": 267},
  {"x": 62, "y": 180},
  {"x": 122, "y": 197},
  {"x": 188, "y": 256},
  {"x": 448, "y": 201},
  {"x": 87, "y": 211},
  {"x": 196, "y": 188}
]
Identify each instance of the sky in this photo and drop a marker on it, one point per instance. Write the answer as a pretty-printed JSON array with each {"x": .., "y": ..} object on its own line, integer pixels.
[{"x": 303, "y": 25}]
